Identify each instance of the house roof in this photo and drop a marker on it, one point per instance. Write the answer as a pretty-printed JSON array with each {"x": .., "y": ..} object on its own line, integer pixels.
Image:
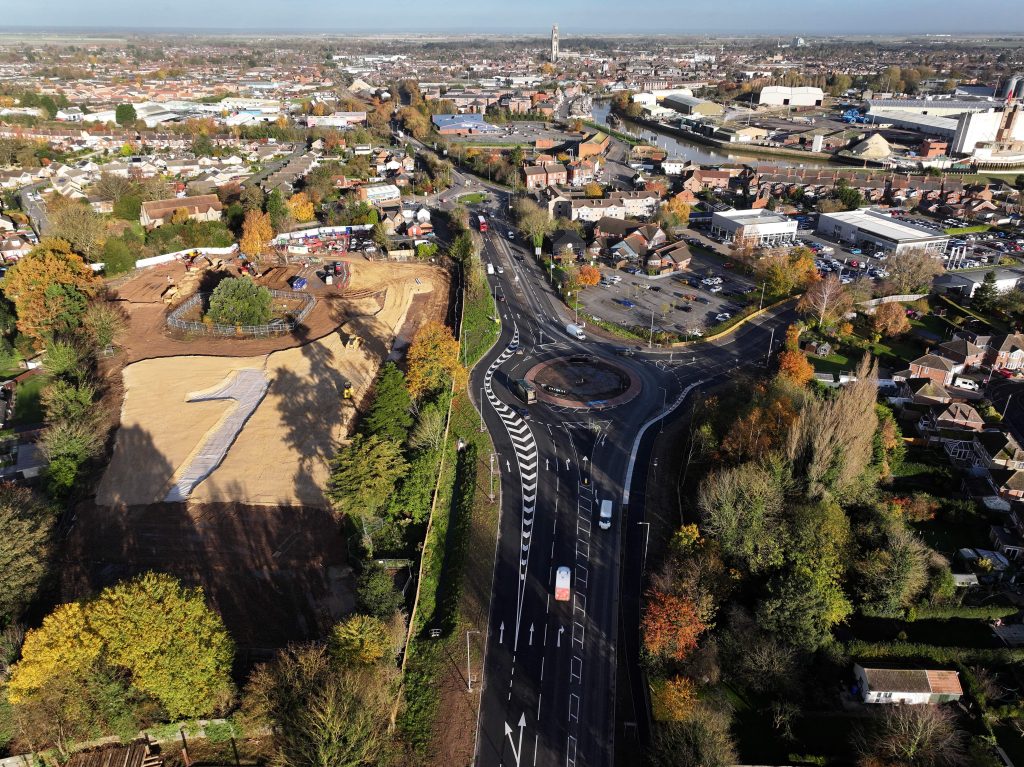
[
  {"x": 935, "y": 362},
  {"x": 959, "y": 412},
  {"x": 935, "y": 681},
  {"x": 961, "y": 347},
  {"x": 200, "y": 204}
]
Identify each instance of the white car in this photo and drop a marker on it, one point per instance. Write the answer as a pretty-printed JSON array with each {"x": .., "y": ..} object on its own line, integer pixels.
[
  {"x": 715, "y": 289},
  {"x": 511, "y": 235},
  {"x": 723, "y": 316},
  {"x": 501, "y": 270}
]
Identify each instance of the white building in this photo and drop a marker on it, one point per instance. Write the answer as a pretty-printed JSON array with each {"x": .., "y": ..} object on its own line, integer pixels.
[
  {"x": 878, "y": 230},
  {"x": 757, "y": 228},
  {"x": 986, "y": 127},
  {"x": 928, "y": 106},
  {"x": 907, "y": 686},
  {"x": 784, "y": 96},
  {"x": 336, "y": 120}
]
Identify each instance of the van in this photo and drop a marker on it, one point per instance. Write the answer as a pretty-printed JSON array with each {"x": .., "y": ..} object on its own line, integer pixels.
[
  {"x": 604, "y": 519},
  {"x": 576, "y": 332},
  {"x": 966, "y": 383},
  {"x": 563, "y": 583},
  {"x": 490, "y": 268}
]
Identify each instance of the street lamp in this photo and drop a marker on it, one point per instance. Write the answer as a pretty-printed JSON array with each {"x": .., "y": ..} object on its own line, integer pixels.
[
  {"x": 469, "y": 672},
  {"x": 647, "y": 535},
  {"x": 761, "y": 304}
]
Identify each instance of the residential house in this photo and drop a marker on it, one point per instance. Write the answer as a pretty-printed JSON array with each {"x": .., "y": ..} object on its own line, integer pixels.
[
  {"x": 932, "y": 366},
  {"x": 567, "y": 244},
  {"x": 907, "y": 686},
  {"x": 669, "y": 257},
  {"x": 205, "y": 207},
  {"x": 1006, "y": 351},
  {"x": 962, "y": 351}
]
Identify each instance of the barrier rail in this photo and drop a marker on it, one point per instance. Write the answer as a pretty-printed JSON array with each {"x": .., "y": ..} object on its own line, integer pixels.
[{"x": 274, "y": 328}]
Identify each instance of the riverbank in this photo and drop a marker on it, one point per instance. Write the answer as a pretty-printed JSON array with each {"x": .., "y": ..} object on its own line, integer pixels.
[{"x": 749, "y": 149}]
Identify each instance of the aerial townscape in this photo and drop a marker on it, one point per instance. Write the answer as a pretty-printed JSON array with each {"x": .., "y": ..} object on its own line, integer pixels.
[{"x": 554, "y": 385}]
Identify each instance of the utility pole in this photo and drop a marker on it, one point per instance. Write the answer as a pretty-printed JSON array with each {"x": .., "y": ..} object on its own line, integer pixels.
[
  {"x": 1007, "y": 405},
  {"x": 767, "y": 359},
  {"x": 647, "y": 535},
  {"x": 761, "y": 304}
]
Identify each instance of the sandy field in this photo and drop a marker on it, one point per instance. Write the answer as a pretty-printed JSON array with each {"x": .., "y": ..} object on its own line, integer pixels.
[{"x": 280, "y": 457}]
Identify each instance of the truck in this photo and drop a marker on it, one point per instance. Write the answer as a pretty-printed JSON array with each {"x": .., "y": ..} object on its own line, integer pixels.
[
  {"x": 481, "y": 223},
  {"x": 490, "y": 268},
  {"x": 299, "y": 283},
  {"x": 576, "y": 332},
  {"x": 525, "y": 390}
]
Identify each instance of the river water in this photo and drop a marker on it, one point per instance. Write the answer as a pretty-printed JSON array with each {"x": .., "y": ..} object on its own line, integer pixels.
[{"x": 698, "y": 153}]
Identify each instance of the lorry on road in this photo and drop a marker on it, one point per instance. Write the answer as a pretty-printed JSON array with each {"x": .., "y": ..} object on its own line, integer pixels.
[
  {"x": 525, "y": 390},
  {"x": 576, "y": 332}
]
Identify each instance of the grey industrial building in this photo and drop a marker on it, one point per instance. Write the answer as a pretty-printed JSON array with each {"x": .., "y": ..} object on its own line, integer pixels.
[{"x": 878, "y": 230}]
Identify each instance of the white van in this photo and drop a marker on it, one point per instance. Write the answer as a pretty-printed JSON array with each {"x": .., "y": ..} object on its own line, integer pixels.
[
  {"x": 966, "y": 383},
  {"x": 576, "y": 332},
  {"x": 604, "y": 519}
]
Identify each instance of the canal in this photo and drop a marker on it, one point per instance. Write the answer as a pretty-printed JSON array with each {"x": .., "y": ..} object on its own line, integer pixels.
[{"x": 698, "y": 153}]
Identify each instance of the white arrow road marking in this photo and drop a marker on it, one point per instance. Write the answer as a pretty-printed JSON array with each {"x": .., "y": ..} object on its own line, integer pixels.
[
  {"x": 531, "y": 635},
  {"x": 561, "y": 630},
  {"x": 516, "y": 750},
  {"x": 501, "y": 633}
]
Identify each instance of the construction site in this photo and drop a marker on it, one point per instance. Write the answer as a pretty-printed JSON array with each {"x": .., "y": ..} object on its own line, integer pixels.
[{"x": 222, "y": 452}]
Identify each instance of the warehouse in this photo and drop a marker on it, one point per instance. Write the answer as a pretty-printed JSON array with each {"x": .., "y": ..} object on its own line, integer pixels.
[
  {"x": 758, "y": 228},
  {"x": 934, "y": 107},
  {"x": 783, "y": 96},
  {"x": 877, "y": 230},
  {"x": 690, "y": 105},
  {"x": 929, "y": 125}
]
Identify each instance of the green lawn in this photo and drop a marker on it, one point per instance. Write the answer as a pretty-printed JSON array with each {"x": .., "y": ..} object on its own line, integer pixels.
[
  {"x": 833, "y": 363},
  {"x": 28, "y": 409},
  {"x": 473, "y": 198}
]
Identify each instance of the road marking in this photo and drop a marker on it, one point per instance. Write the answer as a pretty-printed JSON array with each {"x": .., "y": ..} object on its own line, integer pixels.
[
  {"x": 531, "y": 635},
  {"x": 574, "y": 710},
  {"x": 561, "y": 630},
  {"x": 508, "y": 734},
  {"x": 501, "y": 633},
  {"x": 540, "y": 696},
  {"x": 576, "y": 669},
  {"x": 545, "y": 644}
]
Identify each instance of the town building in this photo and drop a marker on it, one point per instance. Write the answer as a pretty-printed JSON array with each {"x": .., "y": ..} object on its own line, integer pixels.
[
  {"x": 878, "y": 230},
  {"x": 784, "y": 96},
  {"x": 463, "y": 125},
  {"x": 754, "y": 228},
  {"x": 206, "y": 207},
  {"x": 380, "y": 194},
  {"x": 691, "y": 105},
  {"x": 907, "y": 686}
]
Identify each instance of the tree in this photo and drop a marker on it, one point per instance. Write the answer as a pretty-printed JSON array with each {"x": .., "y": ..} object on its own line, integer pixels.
[
  {"x": 113, "y": 187},
  {"x": 62, "y": 646},
  {"x": 256, "y": 233},
  {"x": 673, "y": 700},
  {"x": 425, "y": 251},
  {"x": 390, "y": 415},
  {"x": 322, "y": 714},
  {"x": 240, "y": 301},
  {"x": 430, "y": 429},
  {"x": 826, "y": 300},
  {"x": 63, "y": 359},
  {"x": 363, "y": 476},
  {"x": 675, "y": 212},
  {"x": 376, "y": 594},
  {"x": 787, "y": 271},
  {"x": 50, "y": 288},
  {"x": 80, "y": 226},
  {"x": 174, "y": 647},
  {"x": 741, "y": 508},
  {"x": 300, "y": 207},
  {"x": 26, "y": 526},
  {"x": 532, "y": 219},
  {"x": 985, "y": 295},
  {"x": 803, "y": 608},
  {"x": 433, "y": 360},
  {"x": 670, "y": 626},
  {"x": 893, "y": 575},
  {"x": 795, "y": 367},
  {"x": 911, "y": 271},
  {"x": 380, "y": 236},
  {"x": 118, "y": 256},
  {"x": 125, "y": 114},
  {"x": 105, "y": 322},
  {"x": 589, "y": 275},
  {"x": 890, "y": 320},
  {"x": 68, "y": 401},
  {"x": 252, "y": 198},
  {"x": 918, "y": 736},
  {"x": 702, "y": 739},
  {"x": 280, "y": 218},
  {"x": 593, "y": 189},
  {"x": 361, "y": 640}
]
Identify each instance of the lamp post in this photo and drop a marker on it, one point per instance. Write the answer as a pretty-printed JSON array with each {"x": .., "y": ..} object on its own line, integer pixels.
[
  {"x": 647, "y": 535},
  {"x": 761, "y": 304},
  {"x": 469, "y": 672}
]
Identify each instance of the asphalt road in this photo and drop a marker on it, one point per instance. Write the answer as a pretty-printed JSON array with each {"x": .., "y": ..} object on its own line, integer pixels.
[{"x": 550, "y": 667}]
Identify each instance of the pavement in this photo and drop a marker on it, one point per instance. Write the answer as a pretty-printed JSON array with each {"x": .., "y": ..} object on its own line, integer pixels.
[{"x": 550, "y": 680}]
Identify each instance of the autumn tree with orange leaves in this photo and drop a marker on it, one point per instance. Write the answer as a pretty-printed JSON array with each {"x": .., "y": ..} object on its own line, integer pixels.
[
  {"x": 50, "y": 287},
  {"x": 674, "y": 699},
  {"x": 670, "y": 626},
  {"x": 433, "y": 360},
  {"x": 589, "y": 275}
]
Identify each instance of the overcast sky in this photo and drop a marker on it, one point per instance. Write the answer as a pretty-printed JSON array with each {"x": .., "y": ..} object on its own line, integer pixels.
[{"x": 771, "y": 17}]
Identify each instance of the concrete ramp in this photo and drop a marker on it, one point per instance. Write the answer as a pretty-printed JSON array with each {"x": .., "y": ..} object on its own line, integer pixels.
[{"x": 247, "y": 387}]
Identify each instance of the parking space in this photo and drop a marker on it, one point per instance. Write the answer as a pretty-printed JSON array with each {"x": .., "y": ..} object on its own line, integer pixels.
[{"x": 679, "y": 303}]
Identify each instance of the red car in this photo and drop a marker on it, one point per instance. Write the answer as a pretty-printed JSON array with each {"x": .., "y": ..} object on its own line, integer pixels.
[{"x": 1004, "y": 372}]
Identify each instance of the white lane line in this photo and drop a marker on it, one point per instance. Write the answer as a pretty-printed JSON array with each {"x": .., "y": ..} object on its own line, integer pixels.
[
  {"x": 540, "y": 695},
  {"x": 545, "y": 644}
]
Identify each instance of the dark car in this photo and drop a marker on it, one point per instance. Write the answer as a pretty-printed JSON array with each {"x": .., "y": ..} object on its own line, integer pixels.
[
  {"x": 656, "y": 288},
  {"x": 703, "y": 300},
  {"x": 685, "y": 307},
  {"x": 625, "y": 351}
]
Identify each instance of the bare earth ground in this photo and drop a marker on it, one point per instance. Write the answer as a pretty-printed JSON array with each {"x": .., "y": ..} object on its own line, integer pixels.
[{"x": 257, "y": 534}]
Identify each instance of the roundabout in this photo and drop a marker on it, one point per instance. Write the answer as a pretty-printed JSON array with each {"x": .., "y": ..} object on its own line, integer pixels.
[{"x": 583, "y": 381}]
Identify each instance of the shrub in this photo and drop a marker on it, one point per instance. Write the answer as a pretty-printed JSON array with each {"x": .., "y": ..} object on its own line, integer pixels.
[{"x": 240, "y": 301}]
